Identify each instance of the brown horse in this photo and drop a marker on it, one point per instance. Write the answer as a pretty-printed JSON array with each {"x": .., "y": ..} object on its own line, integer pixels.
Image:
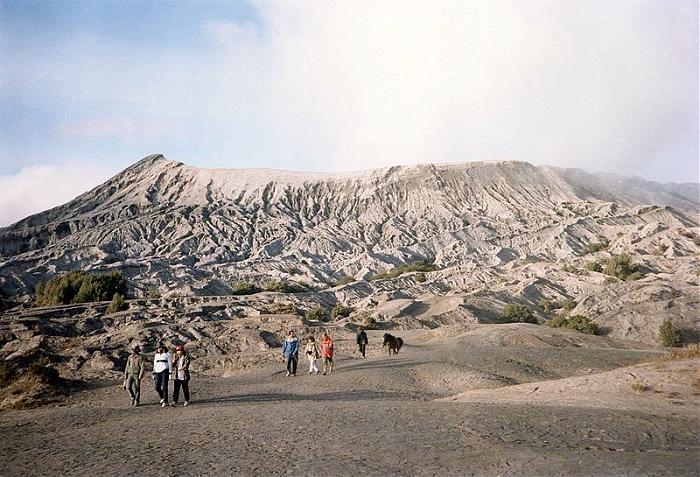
[{"x": 395, "y": 343}]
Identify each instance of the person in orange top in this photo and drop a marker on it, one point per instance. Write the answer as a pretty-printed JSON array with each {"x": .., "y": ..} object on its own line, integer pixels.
[{"x": 327, "y": 353}]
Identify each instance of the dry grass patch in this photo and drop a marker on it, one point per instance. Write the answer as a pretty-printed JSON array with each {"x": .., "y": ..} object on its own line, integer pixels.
[{"x": 639, "y": 386}]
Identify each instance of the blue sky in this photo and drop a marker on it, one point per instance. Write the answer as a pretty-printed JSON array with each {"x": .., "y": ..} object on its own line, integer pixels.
[{"x": 89, "y": 87}]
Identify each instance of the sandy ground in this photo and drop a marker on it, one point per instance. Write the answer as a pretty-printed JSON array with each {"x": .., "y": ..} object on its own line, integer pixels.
[{"x": 378, "y": 416}]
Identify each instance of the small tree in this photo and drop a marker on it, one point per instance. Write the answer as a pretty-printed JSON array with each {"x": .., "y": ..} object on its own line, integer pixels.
[
  {"x": 317, "y": 314},
  {"x": 420, "y": 277},
  {"x": 670, "y": 335},
  {"x": 518, "y": 314},
  {"x": 244, "y": 288},
  {"x": 594, "y": 267},
  {"x": 341, "y": 310},
  {"x": 117, "y": 304}
]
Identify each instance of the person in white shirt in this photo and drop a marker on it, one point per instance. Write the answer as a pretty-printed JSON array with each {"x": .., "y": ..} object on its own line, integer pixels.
[{"x": 162, "y": 368}]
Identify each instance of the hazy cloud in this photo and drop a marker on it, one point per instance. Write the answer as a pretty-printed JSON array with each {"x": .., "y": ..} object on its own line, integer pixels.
[{"x": 38, "y": 188}]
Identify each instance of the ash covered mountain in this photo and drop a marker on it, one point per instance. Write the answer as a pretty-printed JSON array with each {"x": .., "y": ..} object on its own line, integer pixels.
[{"x": 169, "y": 225}]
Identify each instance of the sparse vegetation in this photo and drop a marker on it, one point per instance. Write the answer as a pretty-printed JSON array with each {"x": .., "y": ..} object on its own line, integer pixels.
[
  {"x": 639, "y": 386},
  {"x": 417, "y": 266},
  {"x": 621, "y": 266},
  {"x": 517, "y": 314},
  {"x": 117, "y": 304},
  {"x": 317, "y": 314},
  {"x": 153, "y": 293},
  {"x": 595, "y": 247},
  {"x": 568, "y": 304},
  {"x": 344, "y": 281},
  {"x": 341, "y": 311},
  {"x": 368, "y": 321},
  {"x": 594, "y": 267},
  {"x": 576, "y": 322},
  {"x": 421, "y": 277},
  {"x": 670, "y": 335},
  {"x": 281, "y": 309},
  {"x": 245, "y": 288},
  {"x": 284, "y": 286},
  {"x": 660, "y": 249},
  {"x": 692, "y": 351},
  {"x": 79, "y": 287},
  {"x": 571, "y": 269}
]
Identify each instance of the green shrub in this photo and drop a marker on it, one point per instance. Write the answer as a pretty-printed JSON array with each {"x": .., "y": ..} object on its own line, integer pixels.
[
  {"x": 517, "y": 314},
  {"x": 571, "y": 269},
  {"x": 244, "y": 288},
  {"x": 368, "y": 321},
  {"x": 594, "y": 247},
  {"x": 575, "y": 322},
  {"x": 417, "y": 266},
  {"x": 79, "y": 287},
  {"x": 344, "y": 281},
  {"x": 280, "y": 309},
  {"x": 594, "y": 267},
  {"x": 670, "y": 334},
  {"x": 546, "y": 306},
  {"x": 341, "y": 310},
  {"x": 621, "y": 266},
  {"x": 568, "y": 304},
  {"x": 317, "y": 314},
  {"x": 117, "y": 304},
  {"x": 420, "y": 277},
  {"x": 284, "y": 286}
]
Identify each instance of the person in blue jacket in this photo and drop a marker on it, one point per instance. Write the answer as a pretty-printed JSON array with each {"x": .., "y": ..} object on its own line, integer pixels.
[{"x": 290, "y": 350}]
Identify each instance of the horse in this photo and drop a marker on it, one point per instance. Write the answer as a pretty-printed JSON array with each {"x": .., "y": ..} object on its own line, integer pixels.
[{"x": 395, "y": 343}]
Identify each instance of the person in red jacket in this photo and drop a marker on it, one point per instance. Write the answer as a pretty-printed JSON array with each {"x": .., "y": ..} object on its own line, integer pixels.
[{"x": 327, "y": 353}]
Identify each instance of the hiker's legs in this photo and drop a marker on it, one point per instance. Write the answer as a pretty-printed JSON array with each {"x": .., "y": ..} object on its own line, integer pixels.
[
  {"x": 176, "y": 390},
  {"x": 362, "y": 349},
  {"x": 186, "y": 389},
  {"x": 313, "y": 368},
  {"x": 289, "y": 364},
  {"x": 159, "y": 385},
  {"x": 294, "y": 360},
  {"x": 166, "y": 377},
  {"x": 330, "y": 368},
  {"x": 136, "y": 385},
  {"x": 130, "y": 387}
]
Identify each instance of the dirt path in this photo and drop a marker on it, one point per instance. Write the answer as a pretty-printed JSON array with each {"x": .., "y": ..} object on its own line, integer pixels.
[{"x": 372, "y": 417}]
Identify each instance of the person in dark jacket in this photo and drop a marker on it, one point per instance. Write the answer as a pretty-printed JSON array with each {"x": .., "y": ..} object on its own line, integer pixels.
[
  {"x": 362, "y": 340},
  {"x": 290, "y": 350},
  {"x": 132, "y": 375},
  {"x": 181, "y": 375}
]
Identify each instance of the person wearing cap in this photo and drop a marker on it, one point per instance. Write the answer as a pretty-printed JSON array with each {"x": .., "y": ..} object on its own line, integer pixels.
[
  {"x": 162, "y": 369},
  {"x": 181, "y": 374},
  {"x": 290, "y": 350},
  {"x": 133, "y": 372}
]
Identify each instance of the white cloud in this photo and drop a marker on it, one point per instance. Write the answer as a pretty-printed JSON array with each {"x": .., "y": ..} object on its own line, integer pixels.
[
  {"x": 37, "y": 188},
  {"x": 321, "y": 85}
]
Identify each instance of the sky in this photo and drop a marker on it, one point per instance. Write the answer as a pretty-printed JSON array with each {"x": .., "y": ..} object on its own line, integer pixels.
[{"x": 89, "y": 87}]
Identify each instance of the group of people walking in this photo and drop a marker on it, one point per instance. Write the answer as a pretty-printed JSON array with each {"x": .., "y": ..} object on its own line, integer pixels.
[
  {"x": 316, "y": 350},
  {"x": 165, "y": 367}
]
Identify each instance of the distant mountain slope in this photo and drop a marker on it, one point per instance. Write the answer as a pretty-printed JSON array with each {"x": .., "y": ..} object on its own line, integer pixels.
[{"x": 172, "y": 225}]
